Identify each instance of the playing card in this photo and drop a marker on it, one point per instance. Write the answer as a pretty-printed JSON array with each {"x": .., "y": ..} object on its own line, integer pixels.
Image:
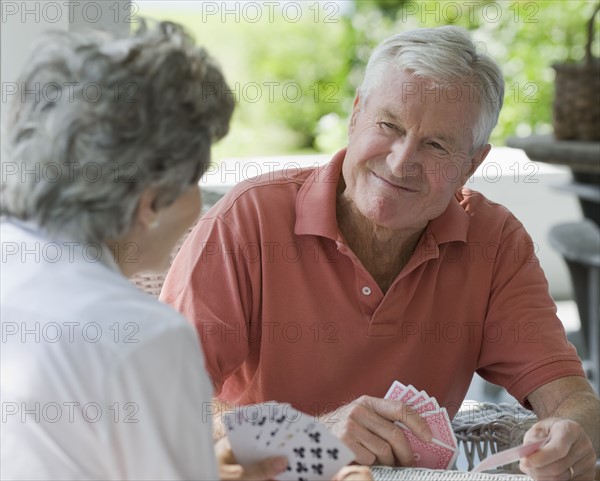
[
  {"x": 246, "y": 426},
  {"x": 431, "y": 455},
  {"x": 443, "y": 450},
  {"x": 395, "y": 390},
  {"x": 272, "y": 429},
  {"x": 441, "y": 428},
  {"x": 429, "y": 405},
  {"x": 408, "y": 394},
  {"x": 277, "y": 416},
  {"x": 314, "y": 453},
  {"x": 241, "y": 434},
  {"x": 510, "y": 455},
  {"x": 418, "y": 399},
  {"x": 285, "y": 427}
]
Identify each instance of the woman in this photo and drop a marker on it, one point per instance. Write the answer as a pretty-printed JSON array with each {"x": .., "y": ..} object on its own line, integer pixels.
[
  {"x": 104, "y": 148},
  {"x": 115, "y": 134}
]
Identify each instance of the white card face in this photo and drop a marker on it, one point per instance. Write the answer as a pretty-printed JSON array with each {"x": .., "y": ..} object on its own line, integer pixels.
[
  {"x": 271, "y": 429},
  {"x": 293, "y": 423},
  {"x": 314, "y": 453},
  {"x": 276, "y": 415},
  {"x": 242, "y": 436}
]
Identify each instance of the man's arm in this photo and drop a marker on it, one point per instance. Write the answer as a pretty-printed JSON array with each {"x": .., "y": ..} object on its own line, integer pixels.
[{"x": 569, "y": 413}]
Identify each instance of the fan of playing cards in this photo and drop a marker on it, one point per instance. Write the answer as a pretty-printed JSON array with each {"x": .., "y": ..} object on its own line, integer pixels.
[
  {"x": 442, "y": 451},
  {"x": 271, "y": 429}
]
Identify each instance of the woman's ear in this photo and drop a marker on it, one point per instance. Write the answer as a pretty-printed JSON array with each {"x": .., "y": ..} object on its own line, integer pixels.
[{"x": 146, "y": 214}]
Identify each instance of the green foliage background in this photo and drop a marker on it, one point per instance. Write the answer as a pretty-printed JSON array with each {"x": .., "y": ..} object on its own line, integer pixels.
[{"x": 295, "y": 80}]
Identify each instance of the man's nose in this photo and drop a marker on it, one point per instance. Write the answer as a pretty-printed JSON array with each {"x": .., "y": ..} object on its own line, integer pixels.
[{"x": 403, "y": 158}]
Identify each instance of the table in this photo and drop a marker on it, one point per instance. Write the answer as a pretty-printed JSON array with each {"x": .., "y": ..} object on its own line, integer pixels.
[{"x": 385, "y": 473}]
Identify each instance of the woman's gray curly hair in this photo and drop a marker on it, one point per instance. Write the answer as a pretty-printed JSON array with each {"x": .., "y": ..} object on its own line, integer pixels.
[{"x": 99, "y": 119}]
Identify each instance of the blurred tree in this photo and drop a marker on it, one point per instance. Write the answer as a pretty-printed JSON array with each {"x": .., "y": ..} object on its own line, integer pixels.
[
  {"x": 311, "y": 69},
  {"x": 525, "y": 37},
  {"x": 295, "y": 79}
]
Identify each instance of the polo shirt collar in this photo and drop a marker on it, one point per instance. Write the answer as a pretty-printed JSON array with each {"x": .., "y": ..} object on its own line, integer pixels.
[
  {"x": 316, "y": 208},
  {"x": 452, "y": 225},
  {"x": 316, "y": 201}
]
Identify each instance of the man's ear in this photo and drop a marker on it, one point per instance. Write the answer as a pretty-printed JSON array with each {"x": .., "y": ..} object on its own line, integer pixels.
[
  {"x": 476, "y": 160},
  {"x": 146, "y": 214},
  {"x": 355, "y": 110}
]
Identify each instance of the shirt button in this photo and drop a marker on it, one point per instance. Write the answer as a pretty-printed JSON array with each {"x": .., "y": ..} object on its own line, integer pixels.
[{"x": 366, "y": 291}]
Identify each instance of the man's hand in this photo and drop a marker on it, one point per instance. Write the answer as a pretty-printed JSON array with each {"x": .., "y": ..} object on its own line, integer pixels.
[
  {"x": 569, "y": 455},
  {"x": 367, "y": 427},
  {"x": 229, "y": 470}
]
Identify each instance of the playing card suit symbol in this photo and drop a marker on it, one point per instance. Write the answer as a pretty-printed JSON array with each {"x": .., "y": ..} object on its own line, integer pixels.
[
  {"x": 299, "y": 452},
  {"x": 317, "y": 468},
  {"x": 316, "y": 452},
  {"x": 333, "y": 453},
  {"x": 301, "y": 468},
  {"x": 316, "y": 437}
]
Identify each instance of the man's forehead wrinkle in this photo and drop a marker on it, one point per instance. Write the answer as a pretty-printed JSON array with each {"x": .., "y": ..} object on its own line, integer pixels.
[{"x": 387, "y": 113}]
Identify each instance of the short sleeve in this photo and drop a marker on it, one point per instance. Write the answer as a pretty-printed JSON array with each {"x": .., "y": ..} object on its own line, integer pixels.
[
  {"x": 209, "y": 284},
  {"x": 525, "y": 344}
]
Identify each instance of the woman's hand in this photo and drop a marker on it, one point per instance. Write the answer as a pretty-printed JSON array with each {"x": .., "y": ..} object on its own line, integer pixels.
[
  {"x": 354, "y": 473},
  {"x": 229, "y": 470},
  {"x": 267, "y": 469}
]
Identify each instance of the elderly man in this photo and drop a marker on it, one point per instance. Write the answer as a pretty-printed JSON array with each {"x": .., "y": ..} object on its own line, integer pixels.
[{"x": 320, "y": 287}]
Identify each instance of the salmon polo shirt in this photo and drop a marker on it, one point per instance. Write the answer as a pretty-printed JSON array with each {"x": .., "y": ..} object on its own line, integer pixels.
[{"x": 285, "y": 310}]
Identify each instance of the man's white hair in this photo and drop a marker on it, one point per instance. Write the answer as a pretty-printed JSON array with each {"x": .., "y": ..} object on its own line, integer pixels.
[{"x": 448, "y": 58}]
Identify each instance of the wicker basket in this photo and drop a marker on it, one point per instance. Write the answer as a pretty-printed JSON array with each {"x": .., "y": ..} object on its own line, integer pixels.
[
  {"x": 483, "y": 429},
  {"x": 577, "y": 95}
]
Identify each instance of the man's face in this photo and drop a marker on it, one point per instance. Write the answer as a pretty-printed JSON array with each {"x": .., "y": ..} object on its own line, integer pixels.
[{"x": 409, "y": 150}]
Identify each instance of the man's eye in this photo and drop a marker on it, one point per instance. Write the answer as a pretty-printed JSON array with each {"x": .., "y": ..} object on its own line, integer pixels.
[
  {"x": 437, "y": 146},
  {"x": 387, "y": 125}
]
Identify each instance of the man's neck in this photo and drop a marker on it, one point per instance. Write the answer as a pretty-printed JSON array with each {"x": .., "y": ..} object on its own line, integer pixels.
[{"x": 383, "y": 252}]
